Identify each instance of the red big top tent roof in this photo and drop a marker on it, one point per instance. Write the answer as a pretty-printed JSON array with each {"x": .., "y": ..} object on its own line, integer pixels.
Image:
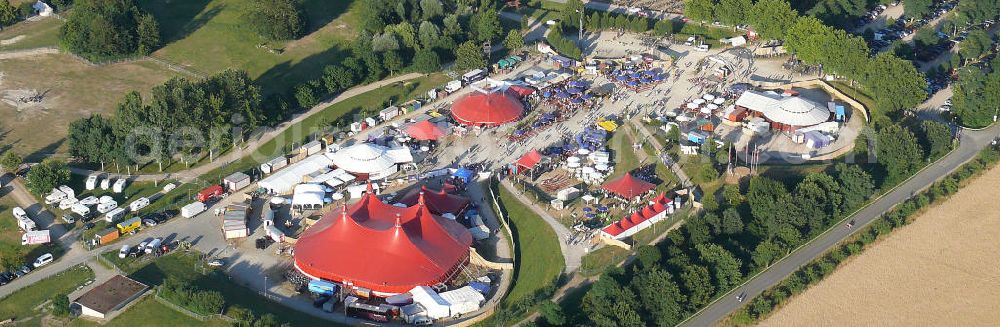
[
  {"x": 529, "y": 160},
  {"x": 383, "y": 248},
  {"x": 489, "y": 109},
  {"x": 424, "y": 130},
  {"x": 627, "y": 186},
  {"x": 439, "y": 202}
]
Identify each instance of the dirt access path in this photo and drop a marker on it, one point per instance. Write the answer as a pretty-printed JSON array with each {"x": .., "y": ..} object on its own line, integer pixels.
[{"x": 941, "y": 270}]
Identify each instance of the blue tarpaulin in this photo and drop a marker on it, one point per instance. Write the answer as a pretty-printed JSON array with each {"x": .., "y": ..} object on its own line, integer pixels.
[
  {"x": 464, "y": 173},
  {"x": 480, "y": 287}
]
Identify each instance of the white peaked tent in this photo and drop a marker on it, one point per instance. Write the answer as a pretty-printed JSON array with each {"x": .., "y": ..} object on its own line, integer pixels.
[
  {"x": 283, "y": 181},
  {"x": 308, "y": 196}
]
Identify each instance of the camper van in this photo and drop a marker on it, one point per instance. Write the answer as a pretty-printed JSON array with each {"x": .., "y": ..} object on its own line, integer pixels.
[
  {"x": 153, "y": 245},
  {"x": 55, "y": 197},
  {"x": 106, "y": 207},
  {"x": 114, "y": 215},
  {"x": 138, "y": 204},
  {"x": 91, "y": 182},
  {"x": 23, "y": 221},
  {"x": 119, "y": 186},
  {"x": 81, "y": 209},
  {"x": 67, "y": 203},
  {"x": 90, "y": 200}
]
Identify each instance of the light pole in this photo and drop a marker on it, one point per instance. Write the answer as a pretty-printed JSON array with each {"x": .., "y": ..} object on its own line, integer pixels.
[
  {"x": 265, "y": 286},
  {"x": 580, "y": 36}
]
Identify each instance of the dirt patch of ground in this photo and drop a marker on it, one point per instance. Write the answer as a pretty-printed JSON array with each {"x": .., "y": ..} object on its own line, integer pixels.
[
  {"x": 941, "y": 270},
  {"x": 41, "y": 95}
]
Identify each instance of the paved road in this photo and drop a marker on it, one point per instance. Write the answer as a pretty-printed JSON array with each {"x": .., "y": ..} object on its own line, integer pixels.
[{"x": 972, "y": 143}]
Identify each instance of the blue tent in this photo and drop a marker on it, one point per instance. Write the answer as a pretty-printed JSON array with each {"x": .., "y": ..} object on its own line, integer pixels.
[
  {"x": 658, "y": 77},
  {"x": 562, "y": 94},
  {"x": 577, "y": 100},
  {"x": 645, "y": 80},
  {"x": 636, "y": 75},
  {"x": 632, "y": 83},
  {"x": 464, "y": 173},
  {"x": 547, "y": 93},
  {"x": 621, "y": 78},
  {"x": 574, "y": 90},
  {"x": 587, "y": 96},
  {"x": 480, "y": 287}
]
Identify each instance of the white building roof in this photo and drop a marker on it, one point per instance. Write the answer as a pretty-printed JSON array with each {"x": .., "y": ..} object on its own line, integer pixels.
[
  {"x": 284, "y": 180},
  {"x": 308, "y": 195},
  {"x": 794, "y": 111},
  {"x": 367, "y": 158}
]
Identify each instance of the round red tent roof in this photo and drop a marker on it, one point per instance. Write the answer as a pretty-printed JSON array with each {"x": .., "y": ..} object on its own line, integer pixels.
[
  {"x": 489, "y": 109},
  {"x": 627, "y": 186},
  {"x": 383, "y": 248},
  {"x": 424, "y": 131}
]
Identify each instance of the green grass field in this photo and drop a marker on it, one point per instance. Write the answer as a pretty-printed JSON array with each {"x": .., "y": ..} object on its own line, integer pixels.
[
  {"x": 149, "y": 313},
  {"x": 21, "y": 304},
  {"x": 31, "y": 34},
  {"x": 182, "y": 266},
  {"x": 210, "y": 36},
  {"x": 539, "y": 261},
  {"x": 621, "y": 151},
  {"x": 12, "y": 253}
]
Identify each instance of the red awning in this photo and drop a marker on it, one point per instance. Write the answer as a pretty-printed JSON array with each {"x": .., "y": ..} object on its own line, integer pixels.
[
  {"x": 383, "y": 248},
  {"x": 627, "y": 186},
  {"x": 521, "y": 91},
  {"x": 438, "y": 202},
  {"x": 529, "y": 160},
  {"x": 659, "y": 205},
  {"x": 487, "y": 109},
  {"x": 424, "y": 131}
]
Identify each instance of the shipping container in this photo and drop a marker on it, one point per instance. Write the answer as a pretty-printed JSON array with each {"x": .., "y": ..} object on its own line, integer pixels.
[
  {"x": 322, "y": 287},
  {"x": 106, "y": 236},
  {"x": 311, "y": 148}
]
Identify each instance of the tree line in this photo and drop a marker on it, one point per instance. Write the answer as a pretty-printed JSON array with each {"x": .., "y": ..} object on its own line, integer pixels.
[
  {"x": 109, "y": 29},
  {"x": 977, "y": 95},
  {"x": 181, "y": 119}
]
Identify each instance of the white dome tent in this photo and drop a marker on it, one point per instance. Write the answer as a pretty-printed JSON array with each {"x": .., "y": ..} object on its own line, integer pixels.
[{"x": 376, "y": 161}]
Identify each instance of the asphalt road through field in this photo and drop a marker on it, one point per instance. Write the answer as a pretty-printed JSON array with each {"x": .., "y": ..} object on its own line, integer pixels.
[{"x": 972, "y": 142}]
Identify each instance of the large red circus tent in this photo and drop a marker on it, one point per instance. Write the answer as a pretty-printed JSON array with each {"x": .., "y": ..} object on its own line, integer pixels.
[
  {"x": 627, "y": 186},
  {"x": 383, "y": 248},
  {"x": 424, "y": 131},
  {"x": 487, "y": 109},
  {"x": 439, "y": 202}
]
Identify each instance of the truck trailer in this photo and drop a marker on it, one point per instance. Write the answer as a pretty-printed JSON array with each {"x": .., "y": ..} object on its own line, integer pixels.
[{"x": 192, "y": 209}]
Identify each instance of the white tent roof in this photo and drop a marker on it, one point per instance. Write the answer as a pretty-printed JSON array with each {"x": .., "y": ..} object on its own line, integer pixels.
[
  {"x": 284, "y": 180},
  {"x": 367, "y": 158},
  {"x": 795, "y": 111},
  {"x": 308, "y": 194}
]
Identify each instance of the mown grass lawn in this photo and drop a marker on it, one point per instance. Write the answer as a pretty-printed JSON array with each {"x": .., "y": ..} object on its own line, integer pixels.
[
  {"x": 539, "y": 260},
  {"x": 149, "y": 313},
  {"x": 185, "y": 266},
  {"x": 12, "y": 253},
  {"x": 32, "y": 34},
  {"x": 210, "y": 36},
  {"x": 622, "y": 154},
  {"x": 21, "y": 304}
]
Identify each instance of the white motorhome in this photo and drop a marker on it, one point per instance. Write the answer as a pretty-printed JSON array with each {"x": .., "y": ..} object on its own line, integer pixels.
[
  {"x": 23, "y": 221},
  {"x": 106, "y": 207},
  {"x": 153, "y": 245},
  {"x": 55, "y": 197},
  {"x": 90, "y": 200},
  {"x": 119, "y": 185},
  {"x": 81, "y": 209},
  {"x": 67, "y": 203},
  {"x": 114, "y": 215},
  {"x": 91, "y": 182},
  {"x": 453, "y": 86},
  {"x": 138, "y": 204}
]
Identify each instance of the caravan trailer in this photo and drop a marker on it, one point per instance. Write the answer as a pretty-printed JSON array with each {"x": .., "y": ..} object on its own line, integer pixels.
[
  {"x": 106, "y": 183},
  {"x": 23, "y": 221},
  {"x": 91, "y": 182},
  {"x": 69, "y": 191},
  {"x": 119, "y": 185},
  {"x": 113, "y": 215},
  {"x": 138, "y": 204}
]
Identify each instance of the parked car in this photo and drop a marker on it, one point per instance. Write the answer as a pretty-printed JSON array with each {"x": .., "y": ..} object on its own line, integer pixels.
[
  {"x": 88, "y": 226},
  {"x": 123, "y": 252},
  {"x": 25, "y": 269},
  {"x": 43, "y": 260},
  {"x": 149, "y": 222},
  {"x": 216, "y": 263},
  {"x": 68, "y": 218}
]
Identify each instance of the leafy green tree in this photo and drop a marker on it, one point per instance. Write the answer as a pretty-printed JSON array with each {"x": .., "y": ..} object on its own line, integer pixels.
[
  {"x": 696, "y": 283},
  {"x": 700, "y": 10},
  {"x": 98, "y": 29},
  {"x": 8, "y": 14},
  {"x": 731, "y": 192},
  {"x": 277, "y": 19},
  {"x": 898, "y": 152},
  {"x": 733, "y": 12},
  {"x": 488, "y": 25},
  {"x": 148, "y": 33},
  {"x": 894, "y": 83},
  {"x": 660, "y": 296},
  {"x": 469, "y": 56},
  {"x": 552, "y": 313},
  {"x": 305, "y": 95},
  {"x": 387, "y": 41},
  {"x": 336, "y": 78},
  {"x": 608, "y": 303},
  {"x": 977, "y": 44},
  {"x": 769, "y": 205},
  {"x": 771, "y": 18},
  {"x": 429, "y": 34},
  {"x": 11, "y": 161},
  {"x": 936, "y": 138},
  {"x": 649, "y": 256},
  {"x": 697, "y": 230},
  {"x": 765, "y": 253},
  {"x": 663, "y": 27},
  {"x": 917, "y": 8},
  {"x": 392, "y": 61},
  {"x": 838, "y": 13},
  {"x": 732, "y": 223},
  {"x": 431, "y": 9},
  {"x": 47, "y": 175},
  {"x": 855, "y": 184},
  {"x": 60, "y": 305},
  {"x": 818, "y": 199},
  {"x": 407, "y": 34},
  {"x": 514, "y": 40},
  {"x": 570, "y": 14},
  {"x": 725, "y": 267},
  {"x": 426, "y": 61},
  {"x": 806, "y": 39}
]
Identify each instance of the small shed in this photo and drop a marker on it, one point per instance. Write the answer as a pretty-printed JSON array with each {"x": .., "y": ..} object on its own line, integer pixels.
[
  {"x": 236, "y": 181},
  {"x": 311, "y": 148},
  {"x": 113, "y": 295}
]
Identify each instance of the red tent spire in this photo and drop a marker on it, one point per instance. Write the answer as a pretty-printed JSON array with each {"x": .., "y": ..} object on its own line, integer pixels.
[
  {"x": 420, "y": 200},
  {"x": 369, "y": 189}
]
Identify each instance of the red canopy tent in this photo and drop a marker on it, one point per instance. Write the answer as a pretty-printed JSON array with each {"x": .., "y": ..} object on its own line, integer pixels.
[
  {"x": 529, "y": 160},
  {"x": 384, "y": 248},
  {"x": 521, "y": 91},
  {"x": 627, "y": 186},
  {"x": 439, "y": 202},
  {"x": 424, "y": 131},
  {"x": 660, "y": 203},
  {"x": 487, "y": 109}
]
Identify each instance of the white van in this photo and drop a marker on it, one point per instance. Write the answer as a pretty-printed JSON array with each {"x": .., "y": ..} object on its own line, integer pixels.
[
  {"x": 114, "y": 215},
  {"x": 91, "y": 182},
  {"x": 43, "y": 260},
  {"x": 107, "y": 207},
  {"x": 123, "y": 252},
  {"x": 119, "y": 186},
  {"x": 153, "y": 245},
  {"x": 106, "y": 183},
  {"x": 138, "y": 204},
  {"x": 142, "y": 246}
]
